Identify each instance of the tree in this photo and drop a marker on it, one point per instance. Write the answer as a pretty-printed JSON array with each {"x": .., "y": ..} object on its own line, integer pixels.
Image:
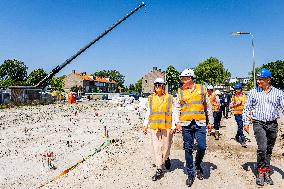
[
  {"x": 211, "y": 71},
  {"x": 138, "y": 86},
  {"x": 172, "y": 78},
  {"x": 13, "y": 72},
  {"x": 131, "y": 88},
  {"x": 36, "y": 76},
  {"x": 113, "y": 75},
  {"x": 57, "y": 83}
]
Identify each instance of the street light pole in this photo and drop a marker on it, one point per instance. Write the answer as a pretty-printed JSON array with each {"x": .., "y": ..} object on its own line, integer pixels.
[{"x": 253, "y": 57}]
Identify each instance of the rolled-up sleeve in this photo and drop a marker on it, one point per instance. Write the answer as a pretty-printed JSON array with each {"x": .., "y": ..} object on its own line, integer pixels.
[
  {"x": 175, "y": 114},
  {"x": 247, "y": 108}
]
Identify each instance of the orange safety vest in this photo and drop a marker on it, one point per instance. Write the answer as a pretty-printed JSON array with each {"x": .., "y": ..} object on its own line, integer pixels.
[
  {"x": 192, "y": 104},
  {"x": 237, "y": 100},
  {"x": 160, "y": 111},
  {"x": 214, "y": 103}
]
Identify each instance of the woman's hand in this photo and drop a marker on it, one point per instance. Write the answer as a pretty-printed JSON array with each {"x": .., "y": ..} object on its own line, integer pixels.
[{"x": 145, "y": 130}]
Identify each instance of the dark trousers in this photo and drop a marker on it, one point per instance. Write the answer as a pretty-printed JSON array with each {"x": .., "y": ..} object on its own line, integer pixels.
[
  {"x": 189, "y": 133},
  {"x": 265, "y": 134},
  {"x": 225, "y": 110},
  {"x": 240, "y": 133},
  {"x": 217, "y": 119}
]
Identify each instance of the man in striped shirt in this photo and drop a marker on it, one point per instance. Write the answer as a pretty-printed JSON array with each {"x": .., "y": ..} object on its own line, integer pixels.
[{"x": 261, "y": 109}]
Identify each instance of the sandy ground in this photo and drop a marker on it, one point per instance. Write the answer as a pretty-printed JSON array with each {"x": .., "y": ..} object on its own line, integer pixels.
[{"x": 74, "y": 132}]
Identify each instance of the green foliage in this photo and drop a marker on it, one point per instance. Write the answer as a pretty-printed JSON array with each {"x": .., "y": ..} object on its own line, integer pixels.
[
  {"x": 277, "y": 70},
  {"x": 113, "y": 75},
  {"x": 138, "y": 86},
  {"x": 172, "y": 78},
  {"x": 211, "y": 71},
  {"x": 131, "y": 88},
  {"x": 36, "y": 76},
  {"x": 74, "y": 89},
  {"x": 13, "y": 72},
  {"x": 57, "y": 83}
]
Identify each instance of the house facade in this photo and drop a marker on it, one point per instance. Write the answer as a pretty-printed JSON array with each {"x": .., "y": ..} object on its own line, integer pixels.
[
  {"x": 88, "y": 83},
  {"x": 149, "y": 78}
]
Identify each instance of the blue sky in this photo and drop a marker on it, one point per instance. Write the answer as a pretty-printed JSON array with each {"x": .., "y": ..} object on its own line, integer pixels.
[{"x": 44, "y": 33}]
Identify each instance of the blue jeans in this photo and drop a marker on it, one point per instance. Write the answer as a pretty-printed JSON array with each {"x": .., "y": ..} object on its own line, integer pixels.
[
  {"x": 240, "y": 134},
  {"x": 189, "y": 133}
]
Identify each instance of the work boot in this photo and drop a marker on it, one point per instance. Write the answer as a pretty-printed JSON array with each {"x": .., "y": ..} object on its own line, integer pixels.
[
  {"x": 199, "y": 173},
  {"x": 244, "y": 145},
  {"x": 158, "y": 175},
  {"x": 267, "y": 177},
  {"x": 189, "y": 181},
  {"x": 260, "y": 177},
  {"x": 217, "y": 135},
  {"x": 168, "y": 164}
]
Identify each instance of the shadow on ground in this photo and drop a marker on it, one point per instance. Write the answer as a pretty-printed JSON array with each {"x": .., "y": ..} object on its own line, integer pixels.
[
  {"x": 253, "y": 167},
  {"x": 207, "y": 167}
]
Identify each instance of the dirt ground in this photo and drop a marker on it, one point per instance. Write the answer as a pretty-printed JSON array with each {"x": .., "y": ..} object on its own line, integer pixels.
[{"x": 74, "y": 132}]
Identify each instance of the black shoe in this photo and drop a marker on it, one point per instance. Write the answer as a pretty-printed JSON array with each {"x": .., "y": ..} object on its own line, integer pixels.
[
  {"x": 158, "y": 175},
  {"x": 244, "y": 145},
  {"x": 268, "y": 179},
  {"x": 260, "y": 179},
  {"x": 189, "y": 181},
  {"x": 168, "y": 164},
  {"x": 199, "y": 173}
]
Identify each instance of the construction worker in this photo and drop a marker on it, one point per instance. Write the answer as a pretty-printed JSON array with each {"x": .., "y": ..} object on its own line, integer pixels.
[
  {"x": 215, "y": 102},
  {"x": 261, "y": 108},
  {"x": 193, "y": 102},
  {"x": 225, "y": 103},
  {"x": 158, "y": 120},
  {"x": 237, "y": 105}
]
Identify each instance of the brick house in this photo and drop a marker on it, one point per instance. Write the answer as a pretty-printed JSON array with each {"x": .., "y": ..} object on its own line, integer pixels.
[
  {"x": 89, "y": 83},
  {"x": 149, "y": 78}
]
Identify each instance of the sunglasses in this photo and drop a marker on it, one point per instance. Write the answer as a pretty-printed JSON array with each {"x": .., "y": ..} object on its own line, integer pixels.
[{"x": 158, "y": 84}]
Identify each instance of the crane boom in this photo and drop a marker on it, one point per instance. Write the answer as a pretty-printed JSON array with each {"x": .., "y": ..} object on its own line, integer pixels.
[{"x": 43, "y": 83}]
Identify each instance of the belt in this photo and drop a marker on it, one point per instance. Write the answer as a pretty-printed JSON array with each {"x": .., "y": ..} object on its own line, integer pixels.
[{"x": 265, "y": 122}]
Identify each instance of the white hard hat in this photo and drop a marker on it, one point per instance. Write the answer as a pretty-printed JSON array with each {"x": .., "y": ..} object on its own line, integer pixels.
[
  {"x": 187, "y": 73},
  {"x": 210, "y": 87},
  {"x": 217, "y": 92},
  {"x": 159, "y": 80}
]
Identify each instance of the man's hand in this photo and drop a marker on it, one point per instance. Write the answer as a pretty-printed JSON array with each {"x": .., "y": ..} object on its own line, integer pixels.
[
  {"x": 178, "y": 128},
  {"x": 246, "y": 128},
  {"x": 145, "y": 130},
  {"x": 209, "y": 127}
]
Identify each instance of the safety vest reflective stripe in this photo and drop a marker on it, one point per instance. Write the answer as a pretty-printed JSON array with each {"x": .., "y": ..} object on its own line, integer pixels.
[
  {"x": 160, "y": 121},
  {"x": 192, "y": 112},
  {"x": 161, "y": 113},
  {"x": 193, "y": 102}
]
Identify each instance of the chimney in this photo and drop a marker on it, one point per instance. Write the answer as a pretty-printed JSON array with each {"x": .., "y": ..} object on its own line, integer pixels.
[
  {"x": 160, "y": 70},
  {"x": 155, "y": 68},
  {"x": 73, "y": 71}
]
